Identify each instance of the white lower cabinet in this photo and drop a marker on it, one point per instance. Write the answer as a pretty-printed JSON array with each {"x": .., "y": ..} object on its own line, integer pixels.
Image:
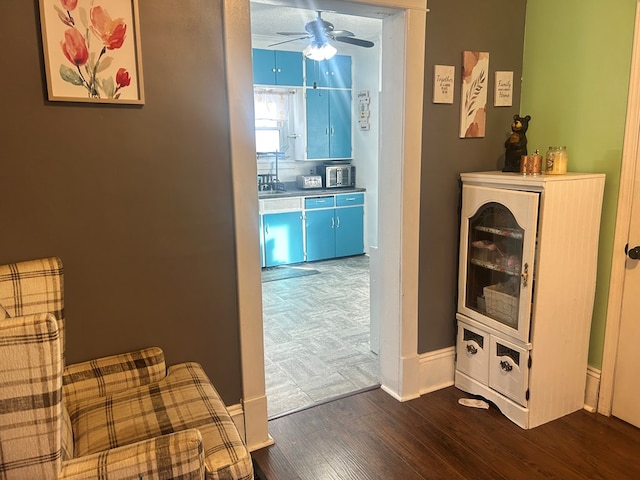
[
  {"x": 473, "y": 352},
  {"x": 509, "y": 369},
  {"x": 527, "y": 273},
  {"x": 493, "y": 361}
]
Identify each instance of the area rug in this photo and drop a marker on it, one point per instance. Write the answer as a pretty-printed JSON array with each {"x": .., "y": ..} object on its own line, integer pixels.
[{"x": 282, "y": 273}]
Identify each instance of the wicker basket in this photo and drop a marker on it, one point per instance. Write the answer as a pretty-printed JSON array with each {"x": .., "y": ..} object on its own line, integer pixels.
[{"x": 501, "y": 306}]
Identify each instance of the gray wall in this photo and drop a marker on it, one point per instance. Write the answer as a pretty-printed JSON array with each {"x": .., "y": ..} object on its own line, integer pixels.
[
  {"x": 135, "y": 200},
  {"x": 497, "y": 27}
]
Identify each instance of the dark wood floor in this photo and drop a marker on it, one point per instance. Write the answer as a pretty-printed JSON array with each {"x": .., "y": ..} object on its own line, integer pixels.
[{"x": 372, "y": 436}]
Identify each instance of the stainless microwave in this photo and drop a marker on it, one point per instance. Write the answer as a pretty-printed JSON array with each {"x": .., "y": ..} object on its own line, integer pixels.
[{"x": 334, "y": 176}]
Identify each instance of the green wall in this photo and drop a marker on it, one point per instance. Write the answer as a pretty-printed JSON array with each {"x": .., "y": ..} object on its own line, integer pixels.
[{"x": 577, "y": 58}]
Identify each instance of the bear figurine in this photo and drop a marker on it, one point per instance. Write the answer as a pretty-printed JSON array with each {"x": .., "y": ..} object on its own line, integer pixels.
[{"x": 516, "y": 144}]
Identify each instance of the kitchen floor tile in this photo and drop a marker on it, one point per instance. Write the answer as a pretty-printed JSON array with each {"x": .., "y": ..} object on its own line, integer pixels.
[{"x": 316, "y": 335}]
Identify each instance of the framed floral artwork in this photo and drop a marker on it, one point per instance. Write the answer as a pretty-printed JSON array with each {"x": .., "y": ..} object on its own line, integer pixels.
[
  {"x": 92, "y": 50},
  {"x": 473, "y": 101}
]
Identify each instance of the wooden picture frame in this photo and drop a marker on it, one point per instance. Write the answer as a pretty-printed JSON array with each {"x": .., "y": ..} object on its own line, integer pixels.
[{"x": 92, "y": 51}]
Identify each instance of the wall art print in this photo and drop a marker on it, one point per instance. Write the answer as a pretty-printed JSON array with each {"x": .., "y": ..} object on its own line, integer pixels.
[
  {"x": 473, "y": 99},
  {"x": 92, "y": 50},
  {"x": 443, "y": 79},
  {"x": 503, "y": 90}
]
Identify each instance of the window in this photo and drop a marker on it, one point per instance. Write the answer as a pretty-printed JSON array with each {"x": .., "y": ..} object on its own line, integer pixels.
[
  {"x": 273, "y": 116},
  {"x": 269, "y": 135}
]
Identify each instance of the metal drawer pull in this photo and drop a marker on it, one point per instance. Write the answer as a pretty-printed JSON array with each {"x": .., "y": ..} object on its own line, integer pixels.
[
  {"x": 506, "y": 366},
  {"x": 472, "y": 350}
]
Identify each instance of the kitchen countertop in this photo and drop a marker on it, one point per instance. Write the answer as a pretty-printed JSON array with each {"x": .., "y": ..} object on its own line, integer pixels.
[{"x": 294, "y": 191}]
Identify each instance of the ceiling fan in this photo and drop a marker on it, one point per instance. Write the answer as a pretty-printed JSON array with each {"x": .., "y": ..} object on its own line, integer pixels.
[{"x": 319, "y": 31}]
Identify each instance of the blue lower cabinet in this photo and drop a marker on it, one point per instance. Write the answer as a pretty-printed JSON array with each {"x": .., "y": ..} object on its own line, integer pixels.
[
  {"x": 320, "y": 230},
  {"x": 261, "y": 230},
  {"x": 349, "y": 230},
  {"x": 334, "y": 226},
  {"x": 283, "y": 238}
]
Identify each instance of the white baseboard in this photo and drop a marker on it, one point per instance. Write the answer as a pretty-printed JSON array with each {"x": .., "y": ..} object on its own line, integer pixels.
[
  {"x": 237, "y": 415},
  {"x": 592, "y": 389},
  {"x": 437, "y": 369}
]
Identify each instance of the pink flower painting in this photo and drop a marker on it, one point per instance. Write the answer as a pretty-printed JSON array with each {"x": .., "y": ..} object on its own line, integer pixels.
[{"x": 95, "y": 47}]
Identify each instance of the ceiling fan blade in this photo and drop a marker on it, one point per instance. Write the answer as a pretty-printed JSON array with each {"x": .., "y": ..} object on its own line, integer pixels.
[
  {"x": 290, "y": 40},
  {"x": 355, "y": 41},
  {"x": 292, "y": 33},
  {"x": 342, "y": 33}
]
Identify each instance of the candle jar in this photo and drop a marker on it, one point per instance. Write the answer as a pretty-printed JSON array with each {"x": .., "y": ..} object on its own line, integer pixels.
[{"x": 556, "y": 160}]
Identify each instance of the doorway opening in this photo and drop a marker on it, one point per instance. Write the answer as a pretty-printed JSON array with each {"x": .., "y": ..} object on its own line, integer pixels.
[
  {"x": 404, "y": 33},
  {"x": 319, "y": 341}
]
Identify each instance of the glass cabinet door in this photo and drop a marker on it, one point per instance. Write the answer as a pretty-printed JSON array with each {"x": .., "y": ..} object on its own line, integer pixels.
[{"x": 497, "y": 257}]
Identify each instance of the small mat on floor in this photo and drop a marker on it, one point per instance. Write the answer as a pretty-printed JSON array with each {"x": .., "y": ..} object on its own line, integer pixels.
[{"x": 282, "y": 273}]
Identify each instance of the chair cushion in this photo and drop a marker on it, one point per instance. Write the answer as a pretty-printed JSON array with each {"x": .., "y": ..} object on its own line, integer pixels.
[
  {"x": 30, "y": 398},
  {"x": 184, "y": 399}
]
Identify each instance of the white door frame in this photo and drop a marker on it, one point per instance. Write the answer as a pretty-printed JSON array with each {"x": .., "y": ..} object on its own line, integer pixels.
[
  {"x": 399, "y": 204},
  {"x": 630, "y": 168}
]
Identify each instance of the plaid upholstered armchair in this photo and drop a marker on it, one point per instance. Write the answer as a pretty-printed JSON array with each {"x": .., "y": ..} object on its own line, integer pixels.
[{"x": 121, "y": 417}]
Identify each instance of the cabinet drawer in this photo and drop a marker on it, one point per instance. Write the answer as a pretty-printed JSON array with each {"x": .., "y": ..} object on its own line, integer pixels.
[
  {"x": 347, "y": 199},
  {"x": 473, "y": 352},
  {"x": 509, "y": 369},
  {"x": 280, "y": 204},
  {"x": 319, "y": 202}
]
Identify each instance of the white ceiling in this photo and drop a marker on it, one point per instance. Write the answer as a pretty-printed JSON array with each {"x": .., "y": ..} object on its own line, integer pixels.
[{"x": 270, "y": 16}]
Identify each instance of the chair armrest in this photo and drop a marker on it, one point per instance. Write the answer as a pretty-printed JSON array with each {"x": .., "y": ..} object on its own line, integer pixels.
[
  {"x": 106, "y": 375},
  {"x": 176, "y": 455}
]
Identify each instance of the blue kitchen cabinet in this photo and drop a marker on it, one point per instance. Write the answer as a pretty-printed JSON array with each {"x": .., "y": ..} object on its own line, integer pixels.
[
  {"x": 349, "y": 221},
  {"x": 349, "y": 231},
  {"x": 317, "y": 124},
  {"x": 320, "y": 228},
  {"x": 334, "y": 231},
  {"x": 328, "y": 123},
  {"x": 261, "y": 230},
  {"x": 283, "y": 238},
  {"x": 333, "y": 73},
  {"x": 277, "y": 67},
  {"x": 339, "y": 123}
]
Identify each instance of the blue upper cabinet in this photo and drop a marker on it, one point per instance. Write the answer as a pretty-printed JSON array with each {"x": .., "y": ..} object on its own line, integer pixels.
[
  {"x": 318, "y": 124},
  {"x": 340, "y": 123},
  {"x": 328, "y": 123},
  {"x": 277, "y": 67},
  {"x": 333, "y": 73}
]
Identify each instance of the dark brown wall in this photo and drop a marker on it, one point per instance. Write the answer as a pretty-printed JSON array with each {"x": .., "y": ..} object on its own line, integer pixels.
[
  {"x": 497, "y": 27},
  {"x": 137, "y": 201}
]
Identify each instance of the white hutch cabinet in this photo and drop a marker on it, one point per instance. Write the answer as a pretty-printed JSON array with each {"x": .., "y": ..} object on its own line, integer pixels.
[{"x": 528, "y": 257}]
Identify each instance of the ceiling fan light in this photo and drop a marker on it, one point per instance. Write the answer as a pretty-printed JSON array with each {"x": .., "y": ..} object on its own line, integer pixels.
[{"x": 319, "y": 53}]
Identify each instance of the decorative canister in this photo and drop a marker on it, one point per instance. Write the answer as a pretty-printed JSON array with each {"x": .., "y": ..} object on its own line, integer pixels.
[
  {"x": 531, "y": 164},
  {"x": 556, "y": 160}
]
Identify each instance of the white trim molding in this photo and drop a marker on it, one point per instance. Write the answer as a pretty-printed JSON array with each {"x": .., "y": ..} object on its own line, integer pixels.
[
  {"x": 629, "y": 169},
  {"x": 437, "y": 370},
  {"x": 401, "y": 147},
  {"x": 591, "y": 389},
  {"x": 237, "y": 41},
  {"x": 237, "y": 415}
]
